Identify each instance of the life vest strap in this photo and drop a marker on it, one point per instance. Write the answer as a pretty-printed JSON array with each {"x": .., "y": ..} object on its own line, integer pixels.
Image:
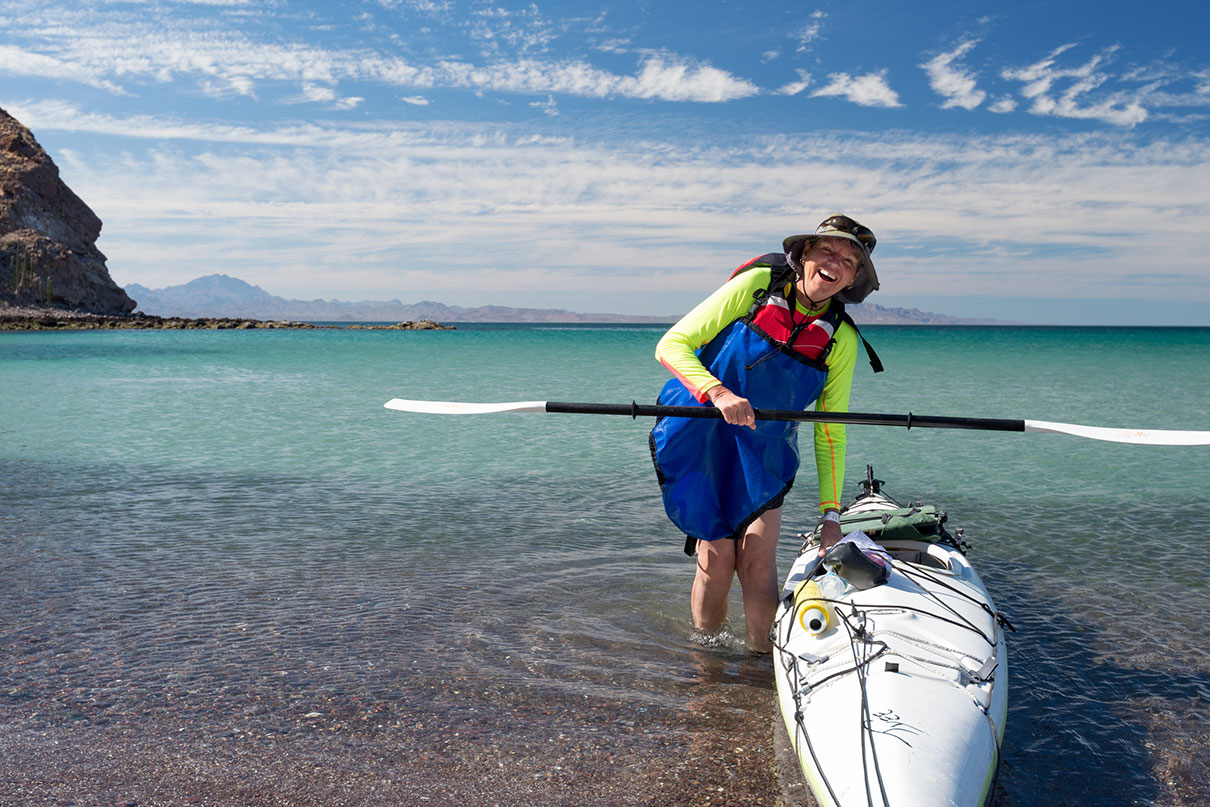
[
  {"x": 782, "y": 271},
  {"x": 875, "y": 362}
]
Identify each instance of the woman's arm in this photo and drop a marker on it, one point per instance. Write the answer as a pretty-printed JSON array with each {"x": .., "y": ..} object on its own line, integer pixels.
[
  {"x": 830, "y": 438},
  {"x": 677, "y": 350}
]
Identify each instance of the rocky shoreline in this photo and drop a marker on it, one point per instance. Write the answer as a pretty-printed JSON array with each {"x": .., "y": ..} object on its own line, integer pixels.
[{"x": 55, "y": 319}]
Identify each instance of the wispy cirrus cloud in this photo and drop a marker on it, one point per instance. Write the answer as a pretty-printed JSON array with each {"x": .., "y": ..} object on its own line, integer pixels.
[
  {"x": 809, "y": 32},
  {"x": 118, "y": 57},
  {"x": 795, "y": 87},
  {"x": 954, "y": 83},
  {"x": 871, "y": 89},
  {"x": 18, "y": 61},
  {"x": 326, "y": 96},
  {"x": 547, "y": 107},
  {"x": 1003, "y": 105},
  {"x": 499, "y": 30},
  {"x": 1065, "y": 91},
  {"x": 658, "y": 78}
]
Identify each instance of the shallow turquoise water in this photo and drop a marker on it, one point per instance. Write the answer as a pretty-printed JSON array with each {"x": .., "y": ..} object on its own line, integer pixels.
[{"x": 188, "y": 514}]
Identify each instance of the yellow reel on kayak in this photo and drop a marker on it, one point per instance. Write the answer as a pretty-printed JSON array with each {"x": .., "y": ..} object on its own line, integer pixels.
[{"x": 815, "y": 614}]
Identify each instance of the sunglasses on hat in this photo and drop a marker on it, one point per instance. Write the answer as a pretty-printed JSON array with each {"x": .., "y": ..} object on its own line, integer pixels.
[{"x": 845, "y": 224}]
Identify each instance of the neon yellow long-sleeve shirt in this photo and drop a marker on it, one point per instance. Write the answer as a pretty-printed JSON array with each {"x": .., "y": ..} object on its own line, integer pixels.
[{"x": 677, "y": 351}]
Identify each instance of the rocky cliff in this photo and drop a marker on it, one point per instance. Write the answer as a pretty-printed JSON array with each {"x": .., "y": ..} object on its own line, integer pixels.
[{"x": 48, "y": 252}]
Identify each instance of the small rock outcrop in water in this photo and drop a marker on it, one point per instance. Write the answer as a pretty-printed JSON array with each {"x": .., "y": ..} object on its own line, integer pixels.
[
  {"x": 39, "y": 318},
  {"x": 48, "y": 251}
]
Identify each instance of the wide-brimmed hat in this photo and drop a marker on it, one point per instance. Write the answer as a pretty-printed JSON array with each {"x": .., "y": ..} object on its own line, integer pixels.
[{"x": 840, "y": 226}]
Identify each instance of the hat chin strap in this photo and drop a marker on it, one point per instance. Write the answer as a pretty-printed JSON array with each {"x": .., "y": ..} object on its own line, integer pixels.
[{"x": 812, "y": 305}]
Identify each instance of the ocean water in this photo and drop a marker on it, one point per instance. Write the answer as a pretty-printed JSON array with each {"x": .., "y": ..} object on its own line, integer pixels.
[{"x": 228, "y": 575}]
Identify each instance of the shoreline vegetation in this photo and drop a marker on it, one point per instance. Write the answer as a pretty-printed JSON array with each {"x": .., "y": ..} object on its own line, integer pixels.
[{"x": 26, "y": 318}]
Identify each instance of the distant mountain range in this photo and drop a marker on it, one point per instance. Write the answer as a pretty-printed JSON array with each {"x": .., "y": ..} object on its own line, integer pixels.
[{"x": 224, "y": 296}]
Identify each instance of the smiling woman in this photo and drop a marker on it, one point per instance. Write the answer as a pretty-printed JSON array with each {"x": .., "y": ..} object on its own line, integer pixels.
[{"x": 776, "y": 336}]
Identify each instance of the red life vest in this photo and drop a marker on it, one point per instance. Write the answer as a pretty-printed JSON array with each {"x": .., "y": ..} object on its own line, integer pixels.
[{"x": 774, "y": 314}]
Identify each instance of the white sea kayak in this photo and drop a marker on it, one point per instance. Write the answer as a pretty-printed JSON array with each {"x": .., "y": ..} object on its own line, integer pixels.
[{"x": 894, "y": 696}]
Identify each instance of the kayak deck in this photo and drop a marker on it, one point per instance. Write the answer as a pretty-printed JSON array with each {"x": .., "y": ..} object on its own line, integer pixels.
[{"x": 901, "y": 699}]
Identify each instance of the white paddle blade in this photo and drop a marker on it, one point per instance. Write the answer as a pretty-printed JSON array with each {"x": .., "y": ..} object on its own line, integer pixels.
[
  {"x": 1152, "y": 437},
  {"x": 456, "y": 408}
]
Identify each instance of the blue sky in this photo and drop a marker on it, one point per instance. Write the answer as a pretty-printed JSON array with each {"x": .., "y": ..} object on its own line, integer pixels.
[{"x": 1040, "y": 162}]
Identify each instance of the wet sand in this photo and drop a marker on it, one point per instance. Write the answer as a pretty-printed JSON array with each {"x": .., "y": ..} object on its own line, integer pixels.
[
  {"x": 462, "y": 742},
  {"x": 458, "y": 742}
]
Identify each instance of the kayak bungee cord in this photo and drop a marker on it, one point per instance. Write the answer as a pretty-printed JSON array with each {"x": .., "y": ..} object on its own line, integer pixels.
[
  {"x": 798, "y": 686},
  {"x": 866, "y": 722},
  {"x": 1000, "y": 622},
  {"x": 918, "y": 570},
  {"x": 933, "y": 596},
  {"x": 859, "y": 667}
]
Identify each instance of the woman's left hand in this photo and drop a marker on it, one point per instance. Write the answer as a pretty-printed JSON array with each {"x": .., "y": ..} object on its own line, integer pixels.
[{"x": 829, "y": 535}]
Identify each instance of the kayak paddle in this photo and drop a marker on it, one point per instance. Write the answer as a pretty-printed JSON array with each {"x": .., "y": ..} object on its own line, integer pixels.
[{"x": 1157, "y": 437}]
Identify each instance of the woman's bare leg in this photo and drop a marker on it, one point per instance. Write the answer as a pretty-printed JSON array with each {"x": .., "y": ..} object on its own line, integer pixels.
[
  {"x": 756, "y": 564},
  {"x": 712, "y": 583},
  {"x": 754, "y": 558}
]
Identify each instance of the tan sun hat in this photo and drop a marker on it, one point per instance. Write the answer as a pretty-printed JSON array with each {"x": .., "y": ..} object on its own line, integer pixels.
[{"x": 840, "y": 226}]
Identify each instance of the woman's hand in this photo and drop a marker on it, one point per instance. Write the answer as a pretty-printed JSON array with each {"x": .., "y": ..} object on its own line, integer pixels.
[
  {"x": 736, "y": 410},
  {"x": 829, "y": 535}
]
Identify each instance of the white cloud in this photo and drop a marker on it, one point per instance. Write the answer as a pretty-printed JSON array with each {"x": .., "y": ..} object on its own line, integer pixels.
[
  {"x": 548, "y": 107},
  {"x": 955, "y": 84},
  {"x": 1171, "y": 88},
  {"x": 291, "y": 208},
  {"x": 1041, "y": 79},
  {"x": 809, "y": 32},
  {"x": 415, "y": 100},
  {"x": 683, "y": 82},
  {"x": 868, "y": 90},
  {"x": 61, "y": 116},
  {"x": 1003, "y": 104},
  {"x": 522, "y": 31},
  {"x": 424, "y": 6},
  {"x": 231, "y": 63},
  {"x": 614, "y": 46},
  {"x": 326, "y": 96},
  {"x": 1039, "y": 76},
  {"x": 318, "y": 94},
  {"x": 657, "y": 78},
  {"x": 20, "y": 62},
  {"x": 795, "y": 87}
]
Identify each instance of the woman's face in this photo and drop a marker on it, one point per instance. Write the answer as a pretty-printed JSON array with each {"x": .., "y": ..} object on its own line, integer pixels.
[{"x": 829, "y": 266}]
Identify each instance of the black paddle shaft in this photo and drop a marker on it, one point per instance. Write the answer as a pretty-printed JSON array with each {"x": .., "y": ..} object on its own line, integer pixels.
[{"x": 909, "y": 420}]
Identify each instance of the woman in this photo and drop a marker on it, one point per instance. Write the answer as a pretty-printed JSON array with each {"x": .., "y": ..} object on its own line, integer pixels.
[{"x": 775, "y": 336}]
